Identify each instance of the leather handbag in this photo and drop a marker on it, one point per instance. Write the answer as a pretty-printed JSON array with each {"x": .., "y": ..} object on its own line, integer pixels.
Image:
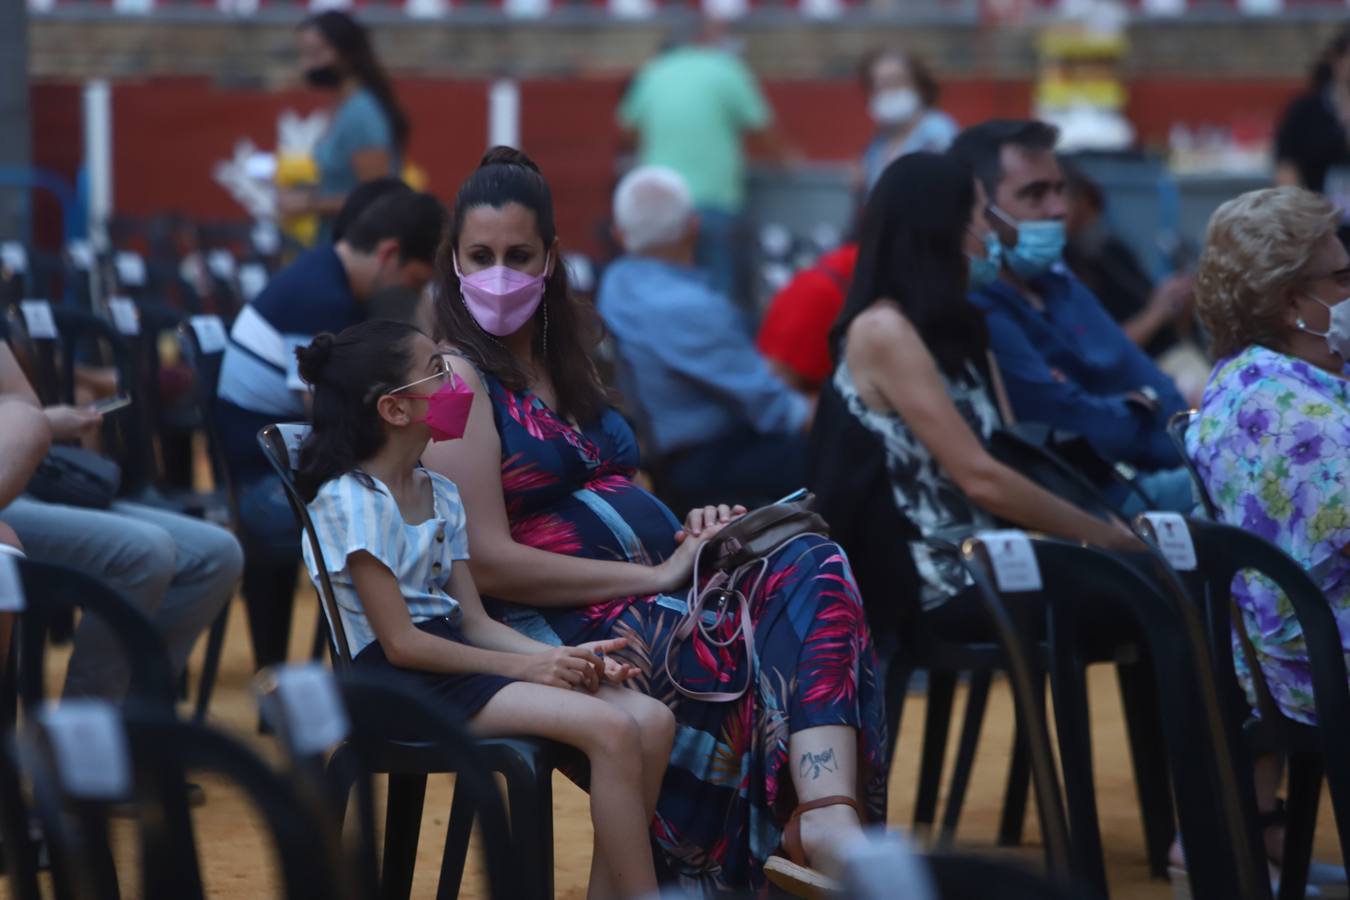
[
  {"x": 741, "y": 551},
  {"x": 73, "y": 476}
]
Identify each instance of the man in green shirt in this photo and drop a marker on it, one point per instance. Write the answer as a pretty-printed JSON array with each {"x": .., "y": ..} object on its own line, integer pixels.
[{"x": 690, "y": 109}]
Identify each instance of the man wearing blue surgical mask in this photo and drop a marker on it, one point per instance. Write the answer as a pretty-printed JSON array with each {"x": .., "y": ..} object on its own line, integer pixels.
[{"x": 1064, "y": 361}]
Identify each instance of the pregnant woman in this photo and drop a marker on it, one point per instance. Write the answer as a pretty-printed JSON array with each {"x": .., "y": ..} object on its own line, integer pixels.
[{"x": 572, "y": 550}]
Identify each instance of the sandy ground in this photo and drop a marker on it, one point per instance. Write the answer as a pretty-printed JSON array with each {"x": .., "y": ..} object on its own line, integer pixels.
[{"x": 237, "y": 864}]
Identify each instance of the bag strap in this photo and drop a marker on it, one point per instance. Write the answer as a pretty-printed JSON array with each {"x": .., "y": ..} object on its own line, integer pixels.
[{"x": 724, "y": 585}]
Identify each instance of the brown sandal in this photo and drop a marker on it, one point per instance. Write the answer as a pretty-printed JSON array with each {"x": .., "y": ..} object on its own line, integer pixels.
[{"x": 793, "y": 874}]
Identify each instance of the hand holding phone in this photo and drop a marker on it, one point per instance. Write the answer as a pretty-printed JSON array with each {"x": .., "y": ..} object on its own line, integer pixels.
[
  {"x": 70, "y": 423},
  {"x": 109, "y": 404}
]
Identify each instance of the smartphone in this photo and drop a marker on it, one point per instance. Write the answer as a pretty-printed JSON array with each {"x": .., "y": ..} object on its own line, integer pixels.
[
  {"x": 110, "y": 404},
  {"x": 793, "y": 497}
]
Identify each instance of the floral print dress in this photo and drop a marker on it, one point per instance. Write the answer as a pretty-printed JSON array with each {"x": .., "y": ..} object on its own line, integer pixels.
[
  {"x": 1272, "y": 444},
  {"x": 728, "y": 790}
]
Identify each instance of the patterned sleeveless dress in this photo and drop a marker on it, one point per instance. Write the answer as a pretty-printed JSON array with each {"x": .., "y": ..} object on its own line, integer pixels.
[{"x": 728, "y": 790}]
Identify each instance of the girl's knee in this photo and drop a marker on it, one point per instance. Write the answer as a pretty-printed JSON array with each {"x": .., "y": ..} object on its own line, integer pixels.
[
  {"x": 614, "y": 733},
  {"x": 657, "y": 723}
]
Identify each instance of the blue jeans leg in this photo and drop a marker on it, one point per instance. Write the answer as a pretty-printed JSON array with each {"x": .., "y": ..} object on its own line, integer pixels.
[{"x": 1170, "y": 489}]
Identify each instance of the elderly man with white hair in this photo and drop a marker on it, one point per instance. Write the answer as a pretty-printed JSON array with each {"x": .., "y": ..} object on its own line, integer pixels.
[{"x": 721, "y": 424}]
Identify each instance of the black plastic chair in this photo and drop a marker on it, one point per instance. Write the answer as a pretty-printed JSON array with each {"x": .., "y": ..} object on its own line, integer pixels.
[
  {"x": 205, "y": 368},
  {"x": 527, "y": 764},
  {"x": 53, "y": 595},
  {"x": 377, "y": 707},
  {"x": 1314, "y": 751},
  {"x": 161, "y": 752},
  {"x": 854, "y": 494},
  {"x": 40, "y": 356},
  {"x": 20, "y": 851},
  {"x": 1017, "y": 641},
  {"x": 1177, "y": 427},
  {"x": 944, "y": 660},
  {"x": 1200, "y": 758}
]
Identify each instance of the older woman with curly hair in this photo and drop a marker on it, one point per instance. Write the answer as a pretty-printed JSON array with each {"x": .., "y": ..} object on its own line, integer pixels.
[{"x": 1272, "y": 442}]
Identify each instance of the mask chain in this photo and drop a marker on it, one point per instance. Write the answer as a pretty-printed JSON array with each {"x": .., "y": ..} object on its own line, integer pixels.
[{"x": 546, "y": 331}]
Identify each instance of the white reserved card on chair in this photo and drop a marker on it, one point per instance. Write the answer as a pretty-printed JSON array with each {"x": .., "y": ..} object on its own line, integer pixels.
[
  {"x": 210, "y": 332},
  {"x": 252, "y": 279},
  {"x": 11, "y": 585},
  {"x": 14, "y": 256},
  {"x": 294, "y": 434},
  {"x": 1173, "y": 536},
  {"x": 126, "y": 317},
  {"x": 221, "y": 263},
  {"x": 130, "y": 269},
  {"x": 1013, "y": 559},
  {"x": 81, "y": 253},
  {"x": 315, "y": 717},
  {"x": 38, "y": 319},
  {"x": 90, "y": 748}
]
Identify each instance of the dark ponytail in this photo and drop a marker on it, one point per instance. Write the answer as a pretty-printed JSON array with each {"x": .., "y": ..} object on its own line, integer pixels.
[{"x": 349, "y": 373}]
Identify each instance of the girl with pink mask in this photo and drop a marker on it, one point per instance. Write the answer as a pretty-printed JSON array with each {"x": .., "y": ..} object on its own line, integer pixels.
[
  {"x": 568, "y": 549},
  {"x": 395, "y": 545}
]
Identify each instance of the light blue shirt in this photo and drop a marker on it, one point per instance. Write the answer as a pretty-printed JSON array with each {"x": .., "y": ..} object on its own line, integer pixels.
[
  {"x": 687, "y": 360},
  {"x": 358, "y": 124},
  {"x": 350, "y": 517},
  {"x": 933, "y": 133}
]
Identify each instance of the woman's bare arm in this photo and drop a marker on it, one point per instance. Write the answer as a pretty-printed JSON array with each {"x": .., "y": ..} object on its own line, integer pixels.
[{"x": 885, "y": 351}]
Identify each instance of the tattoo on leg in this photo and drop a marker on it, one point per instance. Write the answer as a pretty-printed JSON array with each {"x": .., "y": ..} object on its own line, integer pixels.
[{"x": 813, "y": 764}]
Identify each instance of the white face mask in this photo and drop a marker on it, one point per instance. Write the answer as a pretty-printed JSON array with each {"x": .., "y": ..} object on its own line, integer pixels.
[
  {"x": 1337, "y": 334},
  {"x": 894, "y": 106}
]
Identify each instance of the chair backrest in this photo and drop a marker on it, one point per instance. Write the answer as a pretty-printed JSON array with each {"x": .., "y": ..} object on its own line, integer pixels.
[
  {"x": 32, "y": 334},
  {"x": 98, "y": 761},
  {"x": 379, "y": 711},
  {"x": 73, "y": 758},
  {"x": 52, "y": 594},
  {"x": 1222, "y": 551},
  {"x": 1073, "y": 577},
  {"x": 1177, "y": 426},
  {"x": 1016, "y": 642},
  {"x": 1042, "y": 466},
  {"x": 16, "y": 841},
  {"x": 202, "y": 342},
  {"x": 162, "y": 752},
  {"x": 280, "y": 445},
  {"x": 128, "y": 435}
]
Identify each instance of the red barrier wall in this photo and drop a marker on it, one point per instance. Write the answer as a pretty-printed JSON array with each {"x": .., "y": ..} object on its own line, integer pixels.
[{"x": 169, "y": 132}]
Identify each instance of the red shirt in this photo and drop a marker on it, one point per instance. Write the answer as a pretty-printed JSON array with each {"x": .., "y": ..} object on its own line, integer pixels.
[{"x": 796, "y": 327}]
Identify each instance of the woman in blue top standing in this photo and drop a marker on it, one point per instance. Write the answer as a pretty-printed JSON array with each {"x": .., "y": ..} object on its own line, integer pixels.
[
  {"x": 902, "y": 100},
  {"x": 367, "y": 132}
]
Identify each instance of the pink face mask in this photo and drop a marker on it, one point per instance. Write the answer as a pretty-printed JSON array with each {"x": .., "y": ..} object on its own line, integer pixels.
[
  {"x": 447, "y": 409},
  {"x": 501, "y": 299}
]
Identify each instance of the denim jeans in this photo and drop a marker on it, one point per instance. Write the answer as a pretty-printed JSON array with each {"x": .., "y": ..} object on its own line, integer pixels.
[
  {"x": 1170, "y": 489},
  {"x": 177, "y": 570}
]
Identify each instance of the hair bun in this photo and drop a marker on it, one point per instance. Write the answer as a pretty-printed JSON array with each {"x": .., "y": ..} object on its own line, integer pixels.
[
  {"x": 314, "y": 358},
  {"x": 507, "y": 156}
]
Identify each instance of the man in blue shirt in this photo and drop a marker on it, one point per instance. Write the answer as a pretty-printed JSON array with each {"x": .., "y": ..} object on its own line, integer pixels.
[
  {"x": 1064, "y": 361},
  {"x": 724, "y": 427},
  {"x": 392, "y": 243}
]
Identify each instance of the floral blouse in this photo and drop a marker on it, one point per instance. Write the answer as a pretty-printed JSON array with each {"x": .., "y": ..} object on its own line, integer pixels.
[{"x": 1272, "y": 444}]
